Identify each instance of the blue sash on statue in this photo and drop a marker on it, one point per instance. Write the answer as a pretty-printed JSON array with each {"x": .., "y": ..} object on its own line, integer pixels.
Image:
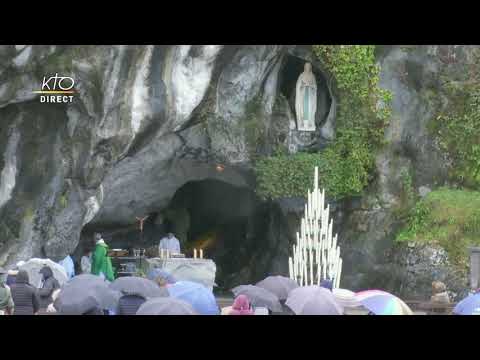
[{"x": 306, "y": 104}]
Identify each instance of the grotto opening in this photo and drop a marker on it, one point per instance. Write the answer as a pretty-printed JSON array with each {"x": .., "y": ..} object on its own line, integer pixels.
[{"x": 235, "y": 229}]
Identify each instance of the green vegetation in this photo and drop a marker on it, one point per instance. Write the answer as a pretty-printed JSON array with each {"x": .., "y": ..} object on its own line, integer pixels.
[
  {"x": 284, "y": 176},
  {"x": 362, "y": 112},
  {"x": 458, "y": 130},
  {"x": 254, "y": 127},
  {"x": 63, "y": 201},
  {"x": 449, "y": 218},
  {"x": 29, "y": 213},
  {"x": 407, "y": 183}
]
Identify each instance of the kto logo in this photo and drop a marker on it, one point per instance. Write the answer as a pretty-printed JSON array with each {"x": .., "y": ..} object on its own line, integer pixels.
[{"x": 57, "y": 89}]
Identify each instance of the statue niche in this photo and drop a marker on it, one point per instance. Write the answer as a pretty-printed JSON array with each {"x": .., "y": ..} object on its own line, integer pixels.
[{"x": 306, "y": 99}]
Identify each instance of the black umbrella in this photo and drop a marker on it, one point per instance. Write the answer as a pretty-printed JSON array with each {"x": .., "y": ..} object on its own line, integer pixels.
[
  {"x": 81, "y": 295},
  {"x": 133, "y": 285},
  {"x": 278, "y": 285},
  {"x": 166, "y": 306},
  {"x": 259, "y": 297}
]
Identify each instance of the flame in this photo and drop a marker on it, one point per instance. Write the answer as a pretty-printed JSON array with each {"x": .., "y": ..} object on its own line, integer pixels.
[{"x": 204, "y": 241}]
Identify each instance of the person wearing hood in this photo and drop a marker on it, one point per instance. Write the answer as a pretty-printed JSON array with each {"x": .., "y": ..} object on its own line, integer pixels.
[
  {"x": 101, "y": 262},
  {"x": 69, "y": 267},
  {"x": 6, "y": 301},
  {"x": 241, "y": 306},
  {"x": 49, "y": 285},
  {"x": 24, "y": 295}
]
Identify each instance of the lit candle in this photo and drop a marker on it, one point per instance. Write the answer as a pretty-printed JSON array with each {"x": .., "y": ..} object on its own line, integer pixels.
[
  {"x": 201, "y": 253},
  {"x": 194, "y": 253}
]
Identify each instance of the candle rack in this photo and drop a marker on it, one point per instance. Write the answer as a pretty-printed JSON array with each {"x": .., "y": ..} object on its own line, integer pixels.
[{"x": 316, "y": 255}]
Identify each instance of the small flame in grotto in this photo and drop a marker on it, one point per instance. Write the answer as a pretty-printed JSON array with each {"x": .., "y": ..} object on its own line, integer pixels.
[
  {"x": 205, "y": 242},
  {"x": 220, "y": 167}
]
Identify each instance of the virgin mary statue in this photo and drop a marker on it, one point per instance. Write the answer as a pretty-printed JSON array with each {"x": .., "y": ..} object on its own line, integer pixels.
[{"x": 306, "y": 99}]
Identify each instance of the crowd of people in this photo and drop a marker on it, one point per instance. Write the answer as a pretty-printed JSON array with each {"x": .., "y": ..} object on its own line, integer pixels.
[{"x": 19, "y": 297}]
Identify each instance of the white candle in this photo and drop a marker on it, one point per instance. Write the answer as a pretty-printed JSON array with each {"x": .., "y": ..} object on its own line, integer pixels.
[
  {"x": 290, "y": 268},
  {"x": 319, "y": 266},
  {"x": 201, "y": 253},
  {"x": 339, "y": 272},
  {"x": 311, "y": 266},
  {"x": 194, "y": 253},
  {"x": 304, "y": 273}
]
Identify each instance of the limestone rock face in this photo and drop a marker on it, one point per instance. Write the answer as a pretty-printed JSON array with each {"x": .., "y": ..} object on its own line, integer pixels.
[
  {"x": 419, "y": 265},
  {"x": 415, "y": 75},
  {"x": 140, "y": 126}
]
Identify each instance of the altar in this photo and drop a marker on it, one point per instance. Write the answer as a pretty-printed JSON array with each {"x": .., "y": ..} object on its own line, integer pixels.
[{"x": 187, "y": 269}]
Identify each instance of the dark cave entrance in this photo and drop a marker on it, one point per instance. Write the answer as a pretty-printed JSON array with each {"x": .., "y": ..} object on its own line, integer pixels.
[
  {"x": 243, "y": 235},
  {"x": 218, "y": 218},
  {"x": 291, "y": 69}
]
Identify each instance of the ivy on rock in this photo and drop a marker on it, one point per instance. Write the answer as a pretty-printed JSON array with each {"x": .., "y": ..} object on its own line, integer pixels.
[{"x": 363, "y": 110}]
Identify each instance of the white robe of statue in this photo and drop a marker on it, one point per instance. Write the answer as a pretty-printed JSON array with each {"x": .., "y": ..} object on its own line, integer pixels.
[{"x": 306, "y": 99}]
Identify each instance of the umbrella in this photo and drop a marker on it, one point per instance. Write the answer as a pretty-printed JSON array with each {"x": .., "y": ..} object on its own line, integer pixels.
[
  {"x": 468, "y": 306},
  {"x": 201, "y": 298},
  {"x": 87, "y": 277},
  {"x": 313, "y": 300},
  {"x": 154, "y": 273},
  {"x": 82, "y": 294},
  {"x": 278, "y": 285},
  {"x": 33, "y": 266},
  {"x": 383, "y": 303},
  {"x": 166, "y": 306},
  {"x": 133, "y": 285},
  {"x": 345, "y": 298},
  {"x": 259, "y": 296}
]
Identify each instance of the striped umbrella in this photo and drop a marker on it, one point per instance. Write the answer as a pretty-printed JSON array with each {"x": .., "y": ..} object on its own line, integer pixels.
[
  {"x": 346, "y": 298},
  {"x": 382, "y": 303}
]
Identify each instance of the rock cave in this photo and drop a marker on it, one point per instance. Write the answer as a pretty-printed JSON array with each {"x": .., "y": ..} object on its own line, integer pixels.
[{"x": 230, "y": 223}]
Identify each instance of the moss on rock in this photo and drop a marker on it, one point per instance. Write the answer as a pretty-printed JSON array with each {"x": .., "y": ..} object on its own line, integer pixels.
[{"x": 449, "y": 218}]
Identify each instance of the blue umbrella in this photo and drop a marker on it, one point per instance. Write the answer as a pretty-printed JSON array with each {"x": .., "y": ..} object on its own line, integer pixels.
[
  {"x": 201, "y": 298},
  {"x": 468, "y": 306}
]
